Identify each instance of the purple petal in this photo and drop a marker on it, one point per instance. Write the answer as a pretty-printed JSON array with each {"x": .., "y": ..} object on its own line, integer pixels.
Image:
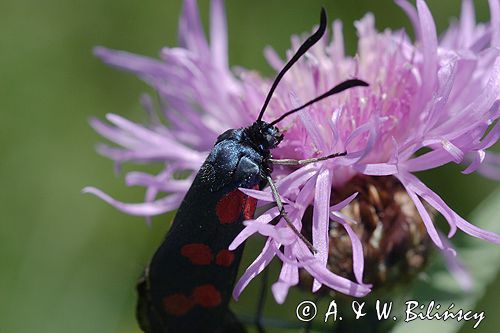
[
  {"x": 430, "y": 160},
  {"x": 452, "y": 217},
  {"x": 151, "y": 154},
  {"x": 280, "y": 289},
  {"x": 414, "y": 184},
  {"x": 331, "y": 280},
  {"x": 491, "y": 138},
  {"x": 163, "y": 183},
  {"x": 273, "y": 58},
  {"x": 255, "y": 268},
  {"x": 305, "y": 197},
  {"x": 412, "y": 15},
  {"x": 495, "y": 21},
  {"x": 456, "y": 153},
  {"x": 447, "y": 75},
  {"x": 191, "y": 34},
  {"x": 264, "y": 195},
  {"x": 140, "y": 132},
  {"x": 296, "y": 179},
  {"x": 491, "y": 166},
  {"x": 218, "y": 33},
  {"x": 358, "y": 259},
  {"x": 429, "y": 225},
  {"x": 250, "y": 229},
  {"x": 169, "y": 147},
  {"x": 428, "y": 38},
  {"x": 377, "y": 169},
  {"x": 344, "y": 217},
  {"x": 321, "y": 219},
  {"x": 467, "y": 22},
  {"x": 476, "y": 162},
  {"x": 337, "y": 48},
  {"x": 289, "y": 276},
  {"x": 157, "y": 207},
  {"x": 344, "y": 202},
  {"x": 475, "y": 231},
  {"x": 457, "y": 268},
  {"x": 281, "y": 235},
  {"x": 114, "y": 134},
  {"x": 140, "y": 65},
  {"x": 370, "y": 127},
  {"x": 313, "y": 129}
]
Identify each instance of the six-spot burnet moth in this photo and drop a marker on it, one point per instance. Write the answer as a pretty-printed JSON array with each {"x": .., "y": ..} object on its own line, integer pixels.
[{"x": 188, "y": 283}]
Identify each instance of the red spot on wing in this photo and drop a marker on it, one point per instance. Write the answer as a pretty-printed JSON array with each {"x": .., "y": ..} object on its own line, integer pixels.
[
  {"x": 177, "y": 304},
  {"x": 229, "y": 208},
  {"x": 206, "y": 296},
  {"x": 224, "y": 258},
  {"x": 233, "y": 204},
  {"x": 197, "y": 253},
  {"x": 249, "y": 208}
]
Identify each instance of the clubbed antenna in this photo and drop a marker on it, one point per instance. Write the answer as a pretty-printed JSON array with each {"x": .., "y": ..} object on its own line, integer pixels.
[
  {"x": 313, "y": 39},
  {"x": 335, "y": 90}
]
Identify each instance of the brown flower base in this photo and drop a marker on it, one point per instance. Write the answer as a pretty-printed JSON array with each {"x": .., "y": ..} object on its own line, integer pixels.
[{"x": 395, "y": 243}]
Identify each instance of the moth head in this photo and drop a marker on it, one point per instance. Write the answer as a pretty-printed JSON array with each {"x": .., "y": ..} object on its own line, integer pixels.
[{"x": 265, "y": 136}]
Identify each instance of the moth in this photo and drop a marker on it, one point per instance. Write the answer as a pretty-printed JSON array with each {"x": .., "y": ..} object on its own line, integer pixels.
[{"x": 188, "y": 283}]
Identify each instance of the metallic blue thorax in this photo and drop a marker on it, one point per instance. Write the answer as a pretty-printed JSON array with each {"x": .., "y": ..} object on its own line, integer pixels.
[{"x": 240, "y": 157}]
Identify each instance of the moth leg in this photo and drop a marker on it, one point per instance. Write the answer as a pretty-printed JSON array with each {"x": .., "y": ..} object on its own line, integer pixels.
[
  {"x": 289, "y": 161},
  {"x": 283, "y": 214}
]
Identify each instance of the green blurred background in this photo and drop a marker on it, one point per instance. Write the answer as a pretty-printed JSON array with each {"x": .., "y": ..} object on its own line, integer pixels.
[{"x": 69, "y": 262}]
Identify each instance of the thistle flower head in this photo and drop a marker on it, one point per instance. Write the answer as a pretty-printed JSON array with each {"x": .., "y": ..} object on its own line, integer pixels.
[{"x": 430, "y": 102}]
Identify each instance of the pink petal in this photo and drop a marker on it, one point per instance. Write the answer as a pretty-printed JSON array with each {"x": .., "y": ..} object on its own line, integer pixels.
[
  {"x": 157, "y": 207},
  {"x": 377, "y": 169},
  {"x": 412, "y": 15},
  {"x": 218, "y": 33},
  {"x": 273, "y": 58},
  {"x": 250, "y": 229},
  {"x": 476, "y": 162},
  {"x": 358, "y": 259},
  {"x": 140, "y": 65},
  {"x": 467, "y": 22},
  {"x": 289, "y": 276},
  {"x": 428, "y": 38},
  {"x": 261, "y": 262},
  {"x": 331, "y": 280},
  {"x": 320, "y": 222},
  {"x": 191, "y": 34},
  {"x": 264, "y": 195},
  {"x": 475, "y": 231},
  {"x": 296, "y": 179},
  {"x": 495, "y": 22},
  {"x": 414, "y": 184},
  {"x": 429, "y": 225},
  {"x": 457, "y": 268},
  {"x": 344, "y": 202},
  {"x": 165, "y": 184}
]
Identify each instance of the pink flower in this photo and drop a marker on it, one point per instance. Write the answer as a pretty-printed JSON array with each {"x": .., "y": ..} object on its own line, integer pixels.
[{"x": 435, "y": 97}]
